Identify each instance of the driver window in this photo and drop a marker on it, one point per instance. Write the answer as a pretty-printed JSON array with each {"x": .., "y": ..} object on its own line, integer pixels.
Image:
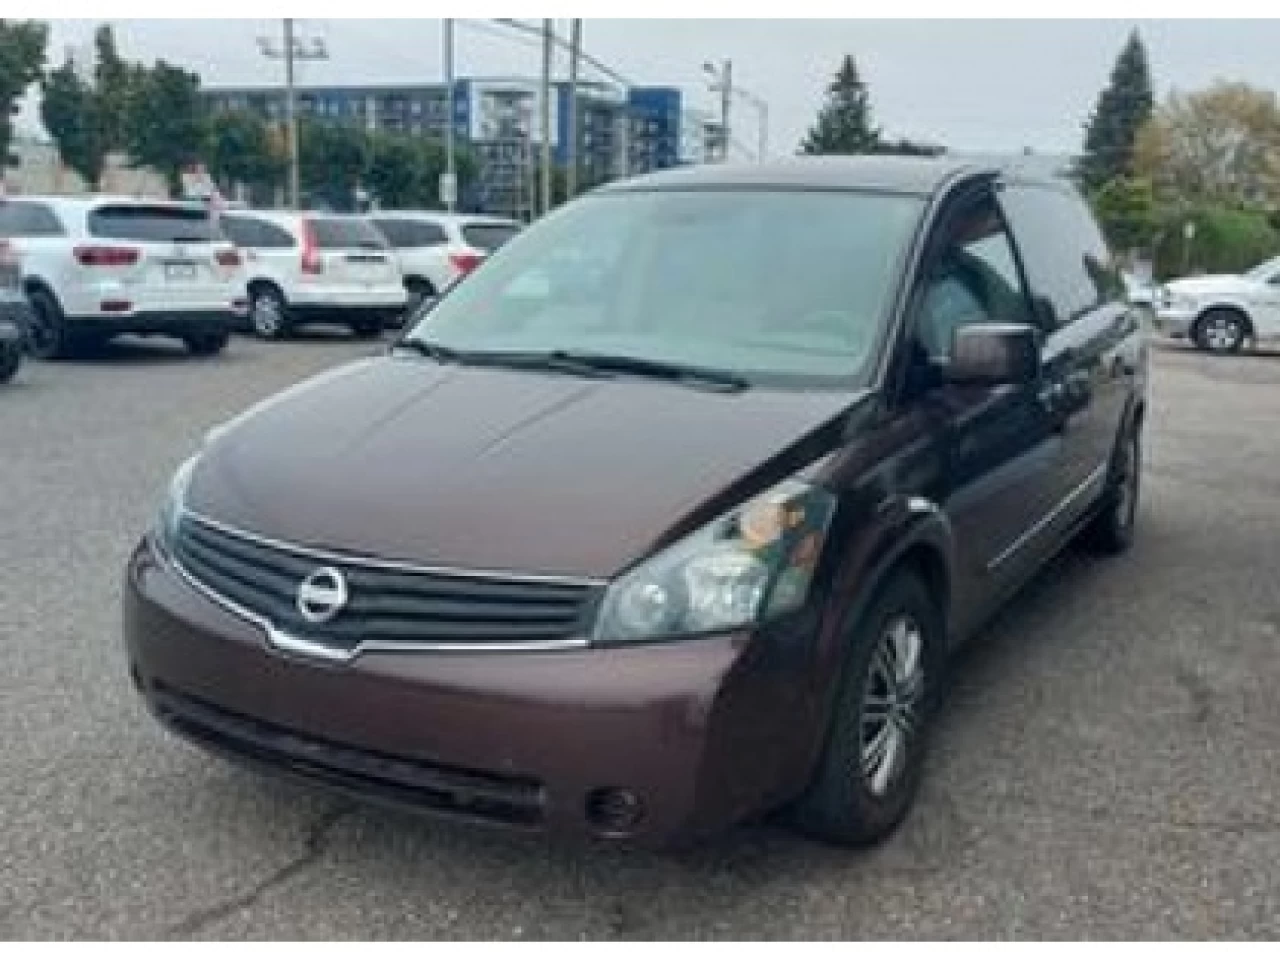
[{"x": 972, "y": 279}]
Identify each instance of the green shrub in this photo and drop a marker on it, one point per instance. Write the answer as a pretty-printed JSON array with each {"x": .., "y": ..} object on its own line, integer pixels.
[{"x": 1227, "y": 240}]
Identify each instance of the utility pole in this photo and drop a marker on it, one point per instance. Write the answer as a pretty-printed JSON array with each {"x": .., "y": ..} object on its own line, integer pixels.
[
  {"x": 726, "y": 101},
  {"x": 450, "y": 190},
  {"x": 292, "y": 51},
  {"x": 722, "y": 83},
  {"x": 291, "y": 113},
  {"x": 571, "y": 170},
  {"x": 545, "y": 106}
]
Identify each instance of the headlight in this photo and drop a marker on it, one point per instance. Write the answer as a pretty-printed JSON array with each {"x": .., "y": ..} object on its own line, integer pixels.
[
  {"x": 171, "y": 509},
  {"x": 754, "y": 563},
  {"x": 1179, "y": 302}
]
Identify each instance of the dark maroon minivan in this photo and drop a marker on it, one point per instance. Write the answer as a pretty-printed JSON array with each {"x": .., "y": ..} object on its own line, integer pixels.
[{"x": 667, "y": 516}]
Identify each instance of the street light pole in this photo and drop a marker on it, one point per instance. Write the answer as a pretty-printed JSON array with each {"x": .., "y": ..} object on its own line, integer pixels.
[
  {"x": 545, "y": 105},
  {"x": 450, "y": 161},
  {"x": 291, "y": 114},
  {"x": 291, "y": 52},
  {"x": 571, "y": 148}
]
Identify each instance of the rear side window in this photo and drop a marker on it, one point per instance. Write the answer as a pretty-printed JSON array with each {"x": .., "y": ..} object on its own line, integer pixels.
[
  {"x": 412, "y": 233},
  {"x": 332, "y": 233},
  {"x": 488, "y": 236},
  {"x": 1068, "y": 265},
  {"x": 152, "y": 224},
  {"x": 20, "y": 218},
  {"x": 254, "y": 234}
]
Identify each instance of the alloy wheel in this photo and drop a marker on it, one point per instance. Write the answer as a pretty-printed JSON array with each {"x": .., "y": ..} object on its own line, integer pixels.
[
  {"x": 1127, "y": 473},
  {"x": 266, "y": 316},
  {"x": 891, "y": 703},
  {"x": 1221, "y": 332}
]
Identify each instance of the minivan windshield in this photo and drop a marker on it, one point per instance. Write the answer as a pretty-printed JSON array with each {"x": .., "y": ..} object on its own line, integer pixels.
[{"x": 781, "y": 286}]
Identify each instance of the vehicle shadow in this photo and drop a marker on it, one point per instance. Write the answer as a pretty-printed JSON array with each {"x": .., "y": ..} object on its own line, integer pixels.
[
  {"x": 135, "y": 351},
  {"x": 319, "y": 334}
]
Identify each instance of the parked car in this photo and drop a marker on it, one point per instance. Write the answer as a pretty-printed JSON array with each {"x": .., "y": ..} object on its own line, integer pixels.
[
  {"x": 639, "y": 555},
  {"x": 435, "y": 249},
  {"x": 1220, "y": 313},
  {"x": 99, "y": 266},
  {"x": 15, "y": 313},
  {"x": 315, "y": 268}
]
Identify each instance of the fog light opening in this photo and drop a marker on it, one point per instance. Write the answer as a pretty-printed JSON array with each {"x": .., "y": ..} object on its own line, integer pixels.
[{"x": 614, "y": 811}]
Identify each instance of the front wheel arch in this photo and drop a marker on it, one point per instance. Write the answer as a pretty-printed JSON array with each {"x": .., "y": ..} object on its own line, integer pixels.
[{"x": 920, "y": 545}]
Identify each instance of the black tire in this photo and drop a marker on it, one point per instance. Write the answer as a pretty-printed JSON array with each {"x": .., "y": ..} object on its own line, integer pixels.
[
  {"x": 206, "y": 344},
  {"x": 48, "y": 338},
  {"x": 1221, "y": 330},
  {"x": 418, "y": 290},
  {"x": 10, "y": 361},
  {"x": 848, "y": 802},
  {"x": 268, "y": 313},
  {"x": 1112, "y": 531}
]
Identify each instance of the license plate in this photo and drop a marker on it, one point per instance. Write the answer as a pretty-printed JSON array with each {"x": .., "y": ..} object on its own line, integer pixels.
[{"x": 180, "y": 271}]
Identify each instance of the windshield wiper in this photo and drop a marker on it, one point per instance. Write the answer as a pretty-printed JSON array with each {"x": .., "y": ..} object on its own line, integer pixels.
[
  {"x": 581, "y": 364},
  {"x": 690, "y": 374},
  {"x": 428, "y": 348}
]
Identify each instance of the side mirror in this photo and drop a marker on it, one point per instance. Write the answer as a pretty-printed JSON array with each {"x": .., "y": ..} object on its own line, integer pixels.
[{"x": 993, "y": 354}]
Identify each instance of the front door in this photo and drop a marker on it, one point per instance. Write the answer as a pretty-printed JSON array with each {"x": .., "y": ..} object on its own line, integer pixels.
[{"x": 1004, "y": 448}]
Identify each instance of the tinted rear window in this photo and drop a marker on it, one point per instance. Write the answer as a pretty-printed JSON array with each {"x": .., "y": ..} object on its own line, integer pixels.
[
  {"x": 255, "y": 234},
  {"x": 338, "y": 234},
  {"x": 158, "y": 224},
  {"x": 412, "y": 233},
  {"x": 488, "y": 236},
  {"x": 24, "y": 219},
  {"x": 1068, "y": 264}
]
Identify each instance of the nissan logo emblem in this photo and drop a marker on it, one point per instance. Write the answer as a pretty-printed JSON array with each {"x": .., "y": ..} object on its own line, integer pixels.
[{"x": 322, "y": 595}]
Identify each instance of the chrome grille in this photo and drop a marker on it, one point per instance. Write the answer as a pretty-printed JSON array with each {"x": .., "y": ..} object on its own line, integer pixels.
[{"x": 389, "y": 606}]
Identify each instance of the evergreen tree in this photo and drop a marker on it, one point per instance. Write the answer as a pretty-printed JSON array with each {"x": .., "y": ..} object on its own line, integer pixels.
[
  {"x": 1122, "y": 108},
  {"x": 844, "y": 123}
]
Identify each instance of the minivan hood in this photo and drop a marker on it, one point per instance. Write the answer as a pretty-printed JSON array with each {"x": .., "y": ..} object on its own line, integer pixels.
[{"x": 502, "y": 470}]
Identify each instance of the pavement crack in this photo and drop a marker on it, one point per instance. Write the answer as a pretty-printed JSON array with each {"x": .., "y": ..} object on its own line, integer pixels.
[{"x": 314, "y": 845}]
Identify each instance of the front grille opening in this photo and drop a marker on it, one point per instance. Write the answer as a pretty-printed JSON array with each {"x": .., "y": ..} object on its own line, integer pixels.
[
  {"x": 386, "y": 608},
  {"x": 502, "y": 798}
]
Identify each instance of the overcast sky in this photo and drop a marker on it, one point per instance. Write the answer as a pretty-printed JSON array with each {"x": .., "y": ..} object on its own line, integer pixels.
[{"x": 973, "y": 85}]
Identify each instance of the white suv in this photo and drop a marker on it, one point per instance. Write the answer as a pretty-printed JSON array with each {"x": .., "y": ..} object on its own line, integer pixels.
[
  {"x": 321, "y": 267},
  {"x": 435, "y": 249},
  {"x": 94, "y": 267}
]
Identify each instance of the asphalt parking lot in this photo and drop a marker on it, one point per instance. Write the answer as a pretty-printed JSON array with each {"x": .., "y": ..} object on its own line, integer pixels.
[{"x": 1107, "y": 766}]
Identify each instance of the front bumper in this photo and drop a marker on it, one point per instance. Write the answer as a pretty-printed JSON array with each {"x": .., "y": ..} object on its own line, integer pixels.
[
  {"x": 703, "y": 733},
  {"x": 177, "y": 323},
  {"x": 386, "y": 298},
  {"x": 1174, "y": 322}
]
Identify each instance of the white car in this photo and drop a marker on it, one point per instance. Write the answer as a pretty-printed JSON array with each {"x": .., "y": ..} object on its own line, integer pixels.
[
  {"x": 435, "y": 249},
  {"x": 94, "y": 267},
  {"x": 1220, "y": 313},
  {"x": 315, "y": 267}
]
